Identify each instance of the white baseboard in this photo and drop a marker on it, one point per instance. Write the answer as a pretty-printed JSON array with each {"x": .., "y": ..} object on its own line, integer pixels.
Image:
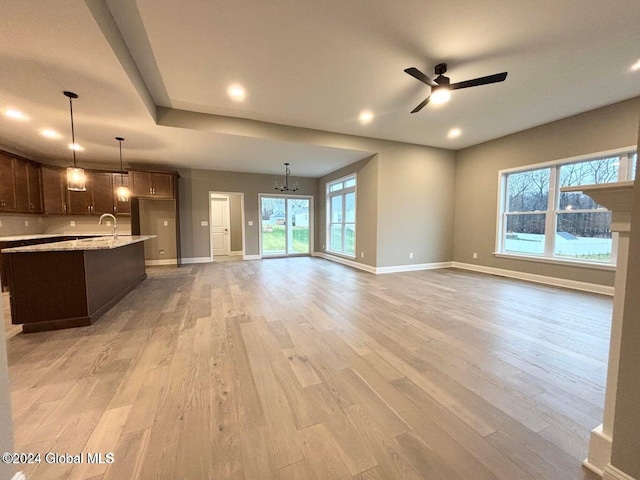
[
  {"x": 155, "y": 263},
  {"x": 599, "y": 451},
  {"x": 530, "y": 277},
  {"x": 239, "y": 252},
  {"x": 188, "y": 261},
  {"x": 251, "y": 257},
  {"x": 613, "y": 473},
  {"x": 19, "y": 476},
  {"x": 413, "y": 268},
  {"x": 345, "y": 261},
  {"x": 381, "y": 270}
]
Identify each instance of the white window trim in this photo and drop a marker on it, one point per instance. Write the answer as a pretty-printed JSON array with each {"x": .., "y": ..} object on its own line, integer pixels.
[
  {"x": 624, "y": 172},
  {"x": 341, "y": 192}
]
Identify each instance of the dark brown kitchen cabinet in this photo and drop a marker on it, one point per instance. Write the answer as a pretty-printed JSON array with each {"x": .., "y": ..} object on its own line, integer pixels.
[
  {"x": 7, "y": 185},
  {"x": 34, "y": 175},
  {"x": 26, "y": 177},
  {"x": 20, "y": 189},
  {"x": 120, "y": 207},
  {"x": 54, "y": 190},
  {"x": 96, "y": 199},
  {"x": 152, "y": 184}
]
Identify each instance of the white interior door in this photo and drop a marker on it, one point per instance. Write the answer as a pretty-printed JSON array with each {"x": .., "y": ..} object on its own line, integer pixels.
[{"x": 219, "y": 224}]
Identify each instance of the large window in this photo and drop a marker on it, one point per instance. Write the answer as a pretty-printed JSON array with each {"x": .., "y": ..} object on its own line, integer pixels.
[
  {"x": 538, "y": 220},
  {"x": 341, "y": 216}
]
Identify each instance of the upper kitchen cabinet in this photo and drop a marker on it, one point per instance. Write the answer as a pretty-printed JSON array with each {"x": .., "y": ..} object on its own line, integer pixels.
[
  {"x": 54, "y": 190},
  {"x": 120, "y": 207},
  {"x": 98, "y": 197},
  {"x": 7, "y": 185},
  {"x": 28, "y": 186},
  {"x": 20, "y": 185},
  {"x": 152, "y": 184}
]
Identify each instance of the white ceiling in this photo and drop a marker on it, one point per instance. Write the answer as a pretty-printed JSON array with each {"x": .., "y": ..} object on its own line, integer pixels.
[{"x": 314, "y": 64}]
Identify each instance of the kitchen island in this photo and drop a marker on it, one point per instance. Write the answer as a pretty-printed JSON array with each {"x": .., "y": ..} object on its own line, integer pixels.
[{"x": 72, "y": 283}]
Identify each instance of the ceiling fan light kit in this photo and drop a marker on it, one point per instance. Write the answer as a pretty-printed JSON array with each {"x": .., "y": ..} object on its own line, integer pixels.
[{"x": 441, "y": 86}]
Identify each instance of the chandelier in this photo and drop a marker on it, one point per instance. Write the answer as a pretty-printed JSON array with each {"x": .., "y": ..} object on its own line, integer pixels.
[{"x": 284, "y": 187}]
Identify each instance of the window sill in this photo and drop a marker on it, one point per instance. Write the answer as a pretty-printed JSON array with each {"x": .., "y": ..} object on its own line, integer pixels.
[
  {"x": 339, "y": 254},
  {"x": 558, "y": 261}
]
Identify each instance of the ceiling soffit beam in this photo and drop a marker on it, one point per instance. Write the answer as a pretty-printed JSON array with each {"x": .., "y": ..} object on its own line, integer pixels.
[
  {"x": 171, "y": 117},
  {"x": 103, "y": 17}
]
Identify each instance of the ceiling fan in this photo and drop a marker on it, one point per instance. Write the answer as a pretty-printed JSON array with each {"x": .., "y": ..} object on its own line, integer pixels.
[{"x": 441, "y": 86}]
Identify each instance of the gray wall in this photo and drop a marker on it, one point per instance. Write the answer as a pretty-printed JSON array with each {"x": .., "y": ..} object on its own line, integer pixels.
[
  {"x": 235, "y": 222},
  {"x": 6, "y": 427},
  {"x": 153, "y": 214},
  {"x": 416, "y": 192},
  {"x": 195, "y": 186},
  {"x": 476, "y": 180}
]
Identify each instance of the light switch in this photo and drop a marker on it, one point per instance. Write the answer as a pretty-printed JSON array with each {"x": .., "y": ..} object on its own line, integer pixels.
[
  {"x": 166, "y": 223},
  {"x": 204, "y": 223},
  {"x": 250, "y": 223}
]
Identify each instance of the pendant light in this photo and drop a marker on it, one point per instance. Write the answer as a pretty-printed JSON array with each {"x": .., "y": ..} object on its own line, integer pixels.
[
  {"x": 122, "y": 192},
  {"x": 76, "y": 179},
  {"x": 285, "y": 186}
]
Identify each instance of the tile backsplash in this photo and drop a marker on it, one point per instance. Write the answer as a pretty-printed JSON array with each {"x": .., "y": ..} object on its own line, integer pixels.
[
  {"x": 21, "y": 225},
  {"x": 12, "y": 225}
]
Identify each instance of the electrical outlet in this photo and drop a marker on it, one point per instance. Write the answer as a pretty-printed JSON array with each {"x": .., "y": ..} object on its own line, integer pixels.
[
  {"x": 0, "y": 223},
  {"x": 411, "y": 255},
  {"x": 204, "y": 223},
  {"x": 108, "y": 223},
  {"x": 475, "y": 255},
  {"x": 361, "y": 254},
  {"x": 26, "y": 223},
  {"x": 72, "y": 223},
  {"x": 323, "y": 246},
  {"x": 161, "y": 252},
  {"x": 166, "y": 223},
  {"x": 250, "y": 223}
]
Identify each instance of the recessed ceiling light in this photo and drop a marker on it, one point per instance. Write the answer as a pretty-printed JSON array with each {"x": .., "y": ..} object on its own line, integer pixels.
[
  {"x": 76, "y": 147},
  {"x": 454, "y": 133},
  {"x": 636, "y": 66},
  {"x": 49, "y": 133},
  {"x": 12, "y": 113},
  {"x": 366, "y": 116},
  {"x": 236, "y": 92}
]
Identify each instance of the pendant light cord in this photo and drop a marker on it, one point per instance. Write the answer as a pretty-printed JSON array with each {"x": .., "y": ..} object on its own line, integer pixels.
[
  {"x": 121, "y": 169},
  {"x": 73, "y": 134}
]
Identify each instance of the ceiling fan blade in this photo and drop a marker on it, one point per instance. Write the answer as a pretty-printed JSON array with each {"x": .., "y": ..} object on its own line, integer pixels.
[
  {"x": 417, "y": 74},
  {"x": 498, "y": 77},
  {"x": 422, "y": 105}
]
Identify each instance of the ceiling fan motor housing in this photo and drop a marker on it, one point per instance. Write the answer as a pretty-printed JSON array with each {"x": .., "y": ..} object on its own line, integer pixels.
[{"x": 441, "y": 69}]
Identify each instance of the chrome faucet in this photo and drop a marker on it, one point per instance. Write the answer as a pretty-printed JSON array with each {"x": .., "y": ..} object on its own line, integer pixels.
[{"x": 115, "y": 223}]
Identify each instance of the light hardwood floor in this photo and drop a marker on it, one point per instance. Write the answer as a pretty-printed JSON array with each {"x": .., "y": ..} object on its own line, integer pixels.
[{"x": 305, "y": 369}]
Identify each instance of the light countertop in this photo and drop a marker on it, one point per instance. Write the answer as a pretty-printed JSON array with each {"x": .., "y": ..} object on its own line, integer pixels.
[
  {"x": 96, "y": 243},
  {"x": 37, "y": 236}
]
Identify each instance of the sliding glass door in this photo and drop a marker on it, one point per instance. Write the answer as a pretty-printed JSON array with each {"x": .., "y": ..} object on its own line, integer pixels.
[{"x": 285, "y": 225}]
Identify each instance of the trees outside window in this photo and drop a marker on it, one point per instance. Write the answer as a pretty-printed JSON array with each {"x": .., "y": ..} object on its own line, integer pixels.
[{"x": 537, "y": 219}]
